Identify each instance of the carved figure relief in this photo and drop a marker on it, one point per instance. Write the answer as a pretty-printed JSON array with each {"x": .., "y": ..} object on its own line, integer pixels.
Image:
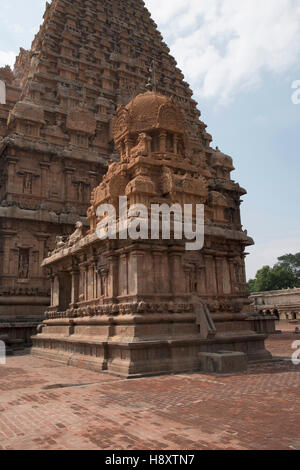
[{"x": 23, "y": 269}]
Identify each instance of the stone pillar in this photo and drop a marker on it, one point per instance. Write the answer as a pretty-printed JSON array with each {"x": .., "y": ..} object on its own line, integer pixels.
[
  {"x": 226, "y": 277},
  {"x": 123, "y": 275},
  {"x": 55, "y": 296},
  {"x": 176, "y": 140},
  {"x": 201, "y": 277},
  {"x": 113, "y": 277},
  {"x": 86, "y": 277},
  {"x": 45, "y": 189},
  {"x": 90, "y": 282},
  {"x": 223, "y": 276},
  {"x": 233, "y": 279},
  {"x": 6, "y": 251},
  {"x": 81, "y": 283},
  {"x": 149, "y": 140},
  {"x": 128, "y": 146},
  {"x": 93, "y": 178},
  {"x": 83, "y": 293},
  {"x": 96, "y": 282},
  {"x": 243, "y": 270},
  {"x": 42, "y": 241},
  {"x": 11, "y": 172},
  {"x": 68, "y": 183},
  {"x": 52, "y": 291},
  {"x": 136, "y": 278},
  {"x": 220, "y": 274},
  {"x": 75, "y": 288},
  {"x": 211, "y": 280},
  {"x": 177, "y": 286},
  {"x": 103, "y": 274},
  {"x": 163, "y": 142},
  {"x": 157, "y": 271},
  {"x": 65, "y": 289},
  {"x": 187, "y": 278},
  {"x": 166, "y": 286}
]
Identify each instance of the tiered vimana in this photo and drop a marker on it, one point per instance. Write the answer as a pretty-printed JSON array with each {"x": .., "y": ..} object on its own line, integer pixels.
[{"x": 143, "y": 307}]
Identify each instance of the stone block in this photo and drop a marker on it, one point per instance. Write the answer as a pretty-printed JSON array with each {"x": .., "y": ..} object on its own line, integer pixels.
[{"x": 223, "y": 362}]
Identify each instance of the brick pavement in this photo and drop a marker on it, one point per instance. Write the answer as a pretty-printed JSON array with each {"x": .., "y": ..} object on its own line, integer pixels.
[{"x": 44, "y": 405}]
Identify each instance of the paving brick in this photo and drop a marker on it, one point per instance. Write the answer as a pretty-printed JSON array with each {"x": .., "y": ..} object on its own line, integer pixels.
[{"x": 258, "y": 409}]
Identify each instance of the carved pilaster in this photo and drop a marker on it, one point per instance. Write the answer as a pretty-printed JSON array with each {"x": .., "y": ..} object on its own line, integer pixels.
[
  {"x": 163, "y": 141},
  {"x": 75, "y": 287},
  {"x": 11, "y": 172},
  {"x": 45, "y": 170},
  {"x": 211, "y": 280}
]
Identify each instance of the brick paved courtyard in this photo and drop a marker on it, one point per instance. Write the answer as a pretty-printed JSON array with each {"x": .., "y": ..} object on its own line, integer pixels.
[{"x": 45, "y": 405}]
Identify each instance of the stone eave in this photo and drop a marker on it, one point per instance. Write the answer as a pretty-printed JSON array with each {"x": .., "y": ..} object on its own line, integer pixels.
[
  {"x": 23, "y": 143},
  {"x": 39, "y": 215},
  {"x": 88, "y": 240},
  {"x": 69, "y": 251},
  {"x": 228, "y": 234}
]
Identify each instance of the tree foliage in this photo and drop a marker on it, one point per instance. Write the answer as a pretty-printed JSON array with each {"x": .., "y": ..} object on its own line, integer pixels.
[{"x": 284, "y": 275}]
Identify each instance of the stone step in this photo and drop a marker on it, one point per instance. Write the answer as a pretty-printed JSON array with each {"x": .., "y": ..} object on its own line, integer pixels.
[
  {"x": 15, "y": 344},
  {"x": 9, "y": 351},
  {"x": 15, "y": 341},
  {"x": 12, "y": 344}
]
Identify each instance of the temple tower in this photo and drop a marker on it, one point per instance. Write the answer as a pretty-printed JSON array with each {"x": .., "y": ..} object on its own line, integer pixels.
[{"x": 56, "y": 135}]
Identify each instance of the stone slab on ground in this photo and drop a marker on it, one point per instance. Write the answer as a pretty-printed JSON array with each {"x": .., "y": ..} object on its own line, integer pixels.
[{"x": 223, "y": 362}]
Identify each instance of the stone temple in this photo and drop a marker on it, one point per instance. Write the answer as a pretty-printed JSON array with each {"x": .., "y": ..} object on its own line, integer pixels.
[{"x": 78, "y": 130}]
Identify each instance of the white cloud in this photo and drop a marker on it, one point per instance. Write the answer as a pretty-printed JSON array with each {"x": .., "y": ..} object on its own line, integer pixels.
[
  {"x": 7, "y": 58},
  {"x": 224, "y": 46}
]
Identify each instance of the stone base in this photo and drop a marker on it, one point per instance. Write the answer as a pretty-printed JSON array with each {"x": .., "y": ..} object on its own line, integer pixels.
[
  {"x": 17, "y": 335},
  {"x": 22, "y": 308},
  {"x": 19, "y": 319},
  {"x": 263, "y": 324},
  {"x": 145, "y": 358},
  {"x": 223, "y": 362}
]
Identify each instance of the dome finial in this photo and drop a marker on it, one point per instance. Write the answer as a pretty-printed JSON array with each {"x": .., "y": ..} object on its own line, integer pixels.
[{"x": 151, "y": 84}]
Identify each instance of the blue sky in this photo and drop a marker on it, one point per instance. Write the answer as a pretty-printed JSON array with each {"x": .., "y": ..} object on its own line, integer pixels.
[{"x": 241, "y": 59}]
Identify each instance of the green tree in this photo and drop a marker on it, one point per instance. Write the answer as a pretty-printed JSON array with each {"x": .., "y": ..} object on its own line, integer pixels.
[
  {"x": 292, "y": 262},
  {"x": 284, "y": 275},
  {"x": 263, "y": 280},
  {"x": 252, "y": 285}
]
